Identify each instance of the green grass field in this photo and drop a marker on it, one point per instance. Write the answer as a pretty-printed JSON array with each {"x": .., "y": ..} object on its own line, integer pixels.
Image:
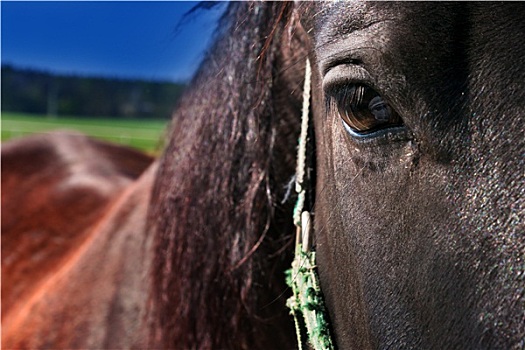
[{"x": 145, "y": 135}]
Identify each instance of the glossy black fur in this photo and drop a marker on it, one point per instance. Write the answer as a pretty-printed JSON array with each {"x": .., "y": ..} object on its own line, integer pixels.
[{"x": 421, "y": 239}]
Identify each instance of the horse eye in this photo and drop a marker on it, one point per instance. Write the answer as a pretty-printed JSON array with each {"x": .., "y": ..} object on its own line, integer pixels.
[{"x": 364, "y": 111}]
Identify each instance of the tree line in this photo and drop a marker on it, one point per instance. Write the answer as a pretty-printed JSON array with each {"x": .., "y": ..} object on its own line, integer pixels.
[{"x": 38, "y": 92}]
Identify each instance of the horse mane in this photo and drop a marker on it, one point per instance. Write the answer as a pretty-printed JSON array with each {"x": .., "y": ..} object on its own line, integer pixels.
[{"x": 219, "y": 227}]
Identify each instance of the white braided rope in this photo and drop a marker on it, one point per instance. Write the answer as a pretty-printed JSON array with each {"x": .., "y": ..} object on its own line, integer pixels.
[{"x": 301, "y": 151}]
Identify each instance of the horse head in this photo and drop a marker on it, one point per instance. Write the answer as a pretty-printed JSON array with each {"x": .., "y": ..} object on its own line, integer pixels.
[
  {"x": 419, "y": 206},
  {"x": 419, "y": 164}
]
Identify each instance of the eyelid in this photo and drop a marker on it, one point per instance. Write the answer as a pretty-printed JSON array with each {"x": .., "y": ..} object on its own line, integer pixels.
[
  {"x": 382, "y": 136},
  {"x": 346, "y": 74}
]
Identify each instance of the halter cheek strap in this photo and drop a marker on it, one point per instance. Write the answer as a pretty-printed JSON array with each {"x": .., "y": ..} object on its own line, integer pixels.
[{"x": 306, "y": 304}]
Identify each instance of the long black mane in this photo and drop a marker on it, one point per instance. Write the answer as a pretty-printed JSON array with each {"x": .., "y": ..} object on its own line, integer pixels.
[{"x": 221, "y": 233}]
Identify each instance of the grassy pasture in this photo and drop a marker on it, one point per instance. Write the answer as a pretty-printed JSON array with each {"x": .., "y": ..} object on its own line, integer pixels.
[{"x": 145, "y": 135}]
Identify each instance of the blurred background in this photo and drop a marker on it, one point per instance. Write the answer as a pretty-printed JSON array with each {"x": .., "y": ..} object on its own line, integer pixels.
[{"x": 112, "y": 70}]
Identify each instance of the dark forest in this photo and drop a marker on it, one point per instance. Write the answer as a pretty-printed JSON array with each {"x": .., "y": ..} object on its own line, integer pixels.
[{"x": 38, "y": 92}]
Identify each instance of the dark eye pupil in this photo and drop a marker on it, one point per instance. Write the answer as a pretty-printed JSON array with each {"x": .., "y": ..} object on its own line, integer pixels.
[
  {"x": 379, "y": 109},
  {"x": 364, "y": 110}
]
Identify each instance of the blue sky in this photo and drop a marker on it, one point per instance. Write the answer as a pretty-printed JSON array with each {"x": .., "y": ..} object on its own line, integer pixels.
[{"x": 117, "y": 39}]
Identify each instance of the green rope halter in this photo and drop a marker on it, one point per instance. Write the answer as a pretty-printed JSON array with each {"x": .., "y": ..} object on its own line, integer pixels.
[{"x": 306, "y": 304}]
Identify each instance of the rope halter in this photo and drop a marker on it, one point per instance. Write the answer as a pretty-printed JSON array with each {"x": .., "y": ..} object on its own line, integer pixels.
[{"x": 306, "y": 304}]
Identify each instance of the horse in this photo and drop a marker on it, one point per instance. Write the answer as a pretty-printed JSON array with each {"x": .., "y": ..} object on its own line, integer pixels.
[
  {"x": 56, "y": 189},
  {"x": 416, "y": 167}
]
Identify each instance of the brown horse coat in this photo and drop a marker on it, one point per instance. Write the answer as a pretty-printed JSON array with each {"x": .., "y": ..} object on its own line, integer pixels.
[{"x": 84, "y": 209}]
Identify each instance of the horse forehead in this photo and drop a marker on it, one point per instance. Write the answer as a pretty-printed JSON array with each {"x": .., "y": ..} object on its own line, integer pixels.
[
  {"x": 334, "y": 20},
  {"x": 346, "y": 17}
]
